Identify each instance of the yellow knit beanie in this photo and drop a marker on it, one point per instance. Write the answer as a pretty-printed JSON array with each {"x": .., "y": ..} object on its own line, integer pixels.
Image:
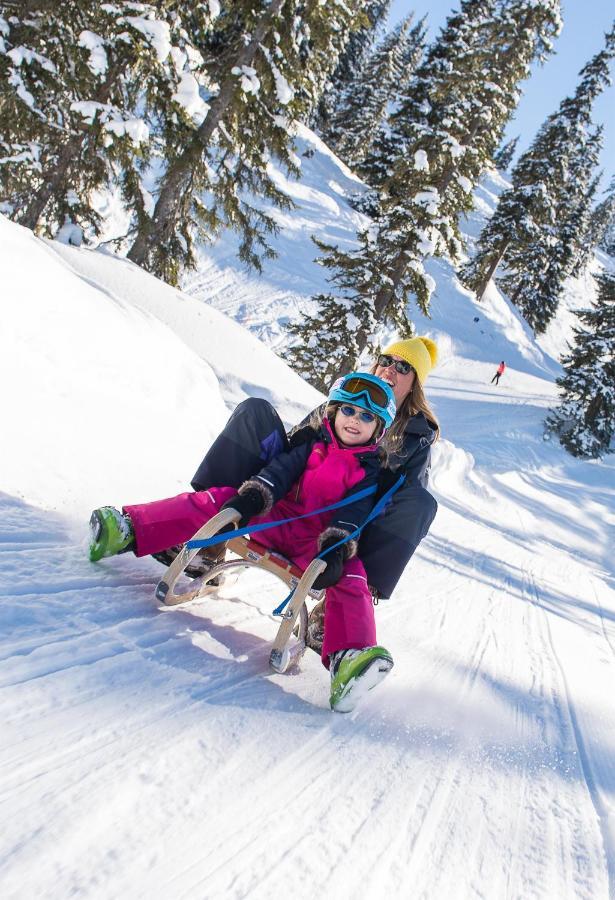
[{"x": 420, "y": 352}]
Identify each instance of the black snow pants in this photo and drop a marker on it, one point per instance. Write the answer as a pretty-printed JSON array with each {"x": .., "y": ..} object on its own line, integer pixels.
[{"x": 255, "y": 434}]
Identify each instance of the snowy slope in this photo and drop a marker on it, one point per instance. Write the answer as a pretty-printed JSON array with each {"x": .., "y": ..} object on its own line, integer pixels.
[{"x": 148, "y": 752}]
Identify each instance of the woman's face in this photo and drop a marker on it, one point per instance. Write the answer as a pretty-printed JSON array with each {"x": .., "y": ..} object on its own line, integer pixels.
[{"x": 401, "y": 384}]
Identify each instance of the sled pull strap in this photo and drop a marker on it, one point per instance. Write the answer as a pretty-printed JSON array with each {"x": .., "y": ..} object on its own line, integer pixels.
[
  {"x": 254, "y": 529},
  {"x": 377, "y": 509}
]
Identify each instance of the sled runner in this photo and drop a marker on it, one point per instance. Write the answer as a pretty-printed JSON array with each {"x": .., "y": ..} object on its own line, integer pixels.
[{"x": 287, "y": 648}]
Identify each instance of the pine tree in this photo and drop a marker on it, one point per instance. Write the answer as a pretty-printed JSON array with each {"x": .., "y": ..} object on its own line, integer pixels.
[
  {"x": 350, "y": 65},
  {"x": 74, "y": 105},
  {"x": 444, "y": 134},
  {"x": 601, "y": 229},
  {"x": 363, "y": 106},
  {"x": 276, "y": 59},
  {"x": 504, "y": 156},
  {"x": 537, "y": 280},
  {"x": 525, "y": 223},
  {"x": 605, "y": 230},
  {"x": 585, "y": 418}
]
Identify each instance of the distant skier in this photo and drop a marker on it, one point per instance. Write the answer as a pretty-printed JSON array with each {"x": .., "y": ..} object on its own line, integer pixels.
[
  {"x": 339, "y": 454},
  {"x": 499, "y": 373}
]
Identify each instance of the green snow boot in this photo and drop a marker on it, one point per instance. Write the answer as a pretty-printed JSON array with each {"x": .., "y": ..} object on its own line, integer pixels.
[
  {"x": 354, "y": 673},
  {"x": 110, "y": 533}
]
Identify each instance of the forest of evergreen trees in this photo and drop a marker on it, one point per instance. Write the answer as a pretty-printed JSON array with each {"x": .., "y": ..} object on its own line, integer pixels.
[{"x": 197, "y": 99}]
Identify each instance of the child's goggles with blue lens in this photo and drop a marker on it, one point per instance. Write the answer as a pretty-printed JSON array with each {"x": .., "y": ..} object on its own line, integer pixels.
[
  {"x": 362, "y": 414},
  {"x": 367, "y": 392}
]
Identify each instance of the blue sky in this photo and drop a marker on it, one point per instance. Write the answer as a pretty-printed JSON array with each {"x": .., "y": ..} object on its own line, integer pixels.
[{"x": 585, "y": 23}]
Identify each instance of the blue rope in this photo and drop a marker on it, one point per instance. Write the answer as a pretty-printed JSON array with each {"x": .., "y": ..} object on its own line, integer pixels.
[
  {"x": 376, "y": 510},
  {"x": 253, "y": 529}
]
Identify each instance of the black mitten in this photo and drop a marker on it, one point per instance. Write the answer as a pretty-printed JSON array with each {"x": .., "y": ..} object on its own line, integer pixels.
[
  {"x": 250, "y": 503},
  {"x": 335, "y": 564}
]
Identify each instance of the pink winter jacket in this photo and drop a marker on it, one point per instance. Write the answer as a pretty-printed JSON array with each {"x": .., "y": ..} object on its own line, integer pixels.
[{"x": 315, "y": 474}]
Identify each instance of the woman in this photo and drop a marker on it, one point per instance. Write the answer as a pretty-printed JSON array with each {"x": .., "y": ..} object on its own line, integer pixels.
[{"x": 254, "y": 435}]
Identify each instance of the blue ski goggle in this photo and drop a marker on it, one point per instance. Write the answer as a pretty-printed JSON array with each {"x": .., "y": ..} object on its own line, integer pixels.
[{"x": 366, "y": 392}]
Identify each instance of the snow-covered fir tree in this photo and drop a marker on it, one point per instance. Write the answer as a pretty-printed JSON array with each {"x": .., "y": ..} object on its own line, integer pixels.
[
  {"x": 363, "y": 106},
  {"x": 77, "y": 103},
  {"x": 273, "y": 68},
  {"x": 607, "y": 243},
  {"x": 504, "y": 156},
  {"x": 443, "y": 135},
  {"x": 525, "y": 225},
  {"x": 585, "y": 418},
  {"x": 601, "y": 229},
  {"x": 536, "y": 287},
  {"x": 350, "y": 65}
]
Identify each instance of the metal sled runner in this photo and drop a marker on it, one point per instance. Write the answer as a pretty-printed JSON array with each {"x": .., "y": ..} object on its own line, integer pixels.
[{"x": 287, "y": 648}]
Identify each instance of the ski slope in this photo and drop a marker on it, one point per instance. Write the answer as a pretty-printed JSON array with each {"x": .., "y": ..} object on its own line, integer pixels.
[{"x": 149, "y": 752}]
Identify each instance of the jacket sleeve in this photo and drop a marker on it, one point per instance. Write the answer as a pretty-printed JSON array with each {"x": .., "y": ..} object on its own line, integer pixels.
[{"x": 276, "y": 479}]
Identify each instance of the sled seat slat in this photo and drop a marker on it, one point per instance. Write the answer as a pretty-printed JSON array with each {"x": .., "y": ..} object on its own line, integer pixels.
[{"x": 270, "y": 560}]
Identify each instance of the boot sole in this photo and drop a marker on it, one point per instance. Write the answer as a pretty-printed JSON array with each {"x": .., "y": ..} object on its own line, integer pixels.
[
  {"x": 359, "y": 686},
  {"x": 96, "y": 530}
]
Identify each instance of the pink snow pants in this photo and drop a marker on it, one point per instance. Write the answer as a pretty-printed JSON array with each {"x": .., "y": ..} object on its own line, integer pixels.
[{"x": 349, "y": 612}]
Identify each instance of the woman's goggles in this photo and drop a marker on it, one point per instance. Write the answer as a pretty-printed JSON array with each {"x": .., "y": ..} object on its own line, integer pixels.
[{"x": 401, "y": 366}]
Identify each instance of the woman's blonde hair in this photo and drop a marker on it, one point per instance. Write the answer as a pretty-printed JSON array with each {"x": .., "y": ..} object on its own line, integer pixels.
[{"x": 414, "y": 402}]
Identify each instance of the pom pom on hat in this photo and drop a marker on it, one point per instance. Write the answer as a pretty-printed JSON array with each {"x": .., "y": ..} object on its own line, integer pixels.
[{"x": 420, "y": 352}]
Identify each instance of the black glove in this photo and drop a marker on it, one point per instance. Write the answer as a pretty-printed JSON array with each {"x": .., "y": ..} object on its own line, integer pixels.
[
  {"x": 335, "y": 564},
  {"x": 250, "y": 503}
]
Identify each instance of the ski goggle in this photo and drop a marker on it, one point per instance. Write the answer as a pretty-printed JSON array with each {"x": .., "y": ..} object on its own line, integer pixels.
[
  {"x": 367, "y": 392},
  {"x": 362, "y": 414},
  {"x": 385, "y": 361}
]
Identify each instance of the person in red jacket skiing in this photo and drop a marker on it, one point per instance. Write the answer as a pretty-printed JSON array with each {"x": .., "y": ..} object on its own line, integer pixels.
[
  {"x": 499, "y": 373},
  {"x": 339, "y": 454}
]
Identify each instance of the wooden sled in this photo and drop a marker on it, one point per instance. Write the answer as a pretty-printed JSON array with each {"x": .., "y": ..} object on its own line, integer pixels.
[{"x": 287, "y": 648}]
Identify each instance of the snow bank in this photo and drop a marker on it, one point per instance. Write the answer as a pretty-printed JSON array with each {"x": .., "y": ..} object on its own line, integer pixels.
[{"x": 111, "y": 368}]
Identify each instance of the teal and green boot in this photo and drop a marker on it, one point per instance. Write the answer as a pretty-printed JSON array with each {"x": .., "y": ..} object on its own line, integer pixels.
[
  {"x": 111, "y": 532},
  {"x": 354, "y": 673}
]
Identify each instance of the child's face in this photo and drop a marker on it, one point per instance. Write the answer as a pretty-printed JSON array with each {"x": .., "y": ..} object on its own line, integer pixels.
[{"x": 350, "y": 425}]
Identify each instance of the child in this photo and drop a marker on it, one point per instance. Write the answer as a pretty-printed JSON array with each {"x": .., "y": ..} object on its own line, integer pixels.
[{"x": 337, "y": 455}]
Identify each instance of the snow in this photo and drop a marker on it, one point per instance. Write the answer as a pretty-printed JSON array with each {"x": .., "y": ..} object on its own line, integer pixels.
[
  {"x": 114, "y": 122},
  {"x": 23, "y": 93},
  {"x": 420, "y": 161},
  {"x": 283, "y": 90},
  {"x": 250, "y": 83},
  {"x": 157, "y": 33},
  {"x": 19, "y": 55},
  {"x": 136, "y": 128},
  {"x": 187, "y": 95},
  {"x": 98, "y": 61},
  {"x": 150, "y": 752}
]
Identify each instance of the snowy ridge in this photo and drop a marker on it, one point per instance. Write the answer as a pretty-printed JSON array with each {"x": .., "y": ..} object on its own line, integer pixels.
[{"x": 149, "y": 752}]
